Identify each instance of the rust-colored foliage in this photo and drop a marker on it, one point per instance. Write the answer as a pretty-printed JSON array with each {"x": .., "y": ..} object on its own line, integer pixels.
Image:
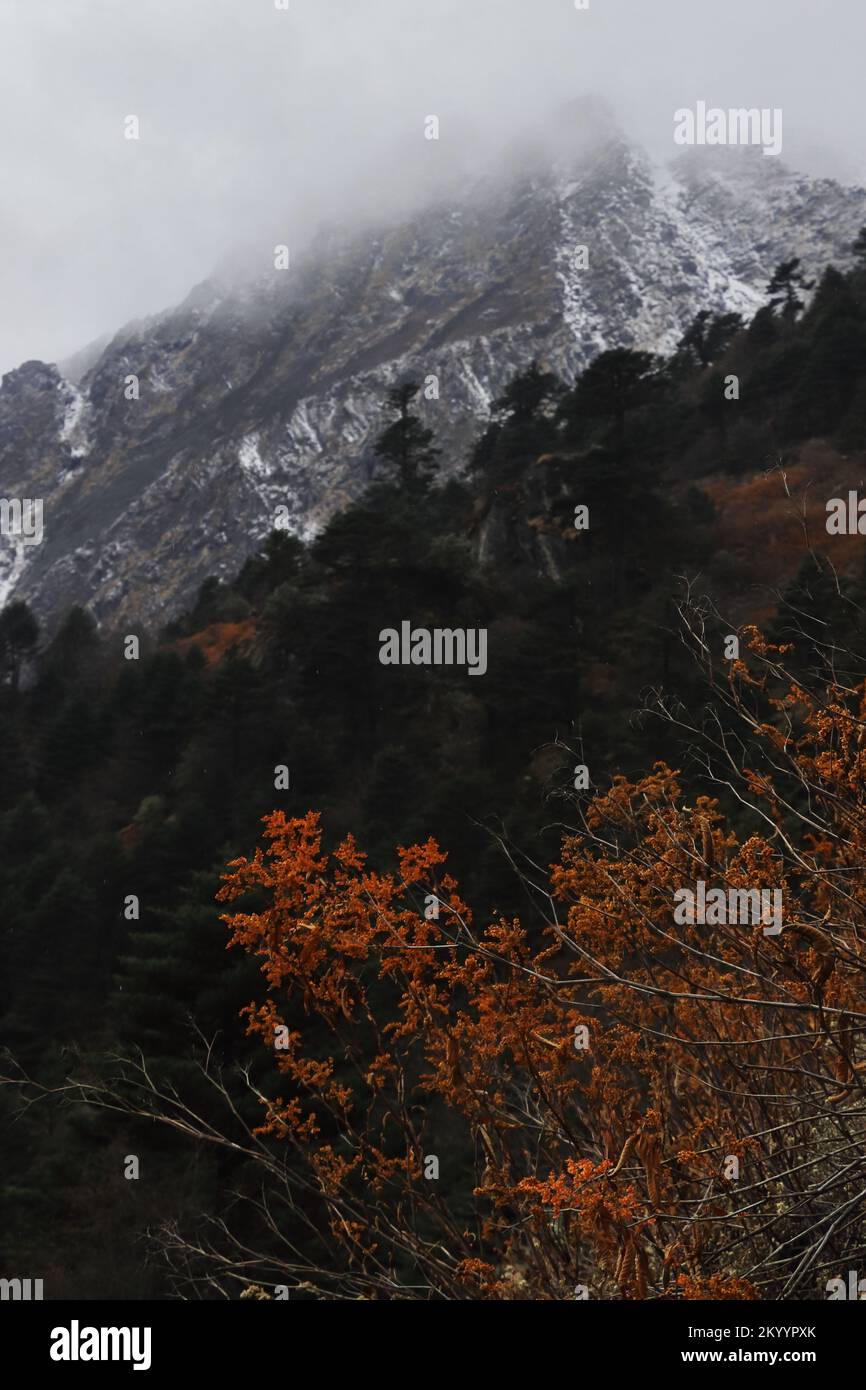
[
  {"x": 761, "y": 521},
  {"x": 608, "y": 1166},
  {"x": 215, "y": 641}
]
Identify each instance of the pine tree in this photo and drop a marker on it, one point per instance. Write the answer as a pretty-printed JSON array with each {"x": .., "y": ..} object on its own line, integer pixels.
[
  {"x": 278, "y": 562},
  {"x": 708, "y": 335},
  {"x": 785, "y": 286},
  {"x": 19, "y": 638},
  {"x": 407, "y": 444},
  {"x": 526, "y": 393},
  {"x": 615, "y": 384}
]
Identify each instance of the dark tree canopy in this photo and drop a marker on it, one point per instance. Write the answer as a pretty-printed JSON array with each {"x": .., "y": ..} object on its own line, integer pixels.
[
  {"x": 407, "y": 444},
  {"x": 614, "y": 384},
  {"x": 526, "y": 393},
  {"x": 19, "y": 637},
  {"x": 709, "y": 334},
  {"x": 785, "y": 287}
]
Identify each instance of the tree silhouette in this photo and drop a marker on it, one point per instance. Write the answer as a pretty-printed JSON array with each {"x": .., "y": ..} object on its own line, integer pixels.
[
  {"x": 785, "y": 286},
  {"x": 407, "y": 443},
  {"x": 526, "y": 393},
  {"x": 19, "y": 637},
  {"x": 614, "y": 384},
  {"x": 708, "y": 335}
]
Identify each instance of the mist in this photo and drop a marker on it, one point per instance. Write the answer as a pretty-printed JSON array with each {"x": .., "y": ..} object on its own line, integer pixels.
[{"x": 258, "y": 124}]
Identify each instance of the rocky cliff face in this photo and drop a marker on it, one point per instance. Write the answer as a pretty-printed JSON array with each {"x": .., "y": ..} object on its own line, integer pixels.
[{"x": 266, "y": 392}]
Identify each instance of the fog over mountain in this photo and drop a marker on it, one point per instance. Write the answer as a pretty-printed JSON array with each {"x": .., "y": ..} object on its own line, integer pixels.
[
  {"x": 257, "y": 124},
  {"x": 261, "y": 395},
  {"x": 460, "y": 257}
]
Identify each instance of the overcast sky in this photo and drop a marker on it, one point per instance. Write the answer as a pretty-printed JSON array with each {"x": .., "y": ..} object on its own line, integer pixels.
[{"x": 256, "y": 123}]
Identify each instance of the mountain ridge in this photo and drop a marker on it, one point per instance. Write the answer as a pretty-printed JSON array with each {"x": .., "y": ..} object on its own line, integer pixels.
[{"x": 268, "y": 392}]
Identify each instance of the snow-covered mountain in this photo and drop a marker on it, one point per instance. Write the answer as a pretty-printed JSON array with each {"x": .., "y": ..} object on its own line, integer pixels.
[{"x": 267, "y": 391}]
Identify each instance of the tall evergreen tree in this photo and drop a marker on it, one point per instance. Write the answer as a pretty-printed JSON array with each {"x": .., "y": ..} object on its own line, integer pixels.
[
  {"x": 785, "y": 288},
  {"x": 613, "y": 386},
  {"x": 526, "y": 393},
  {"x": 708, "y": 335},
  {"x": 407, "y": 443},
  {"x": 19, "y": 638}
]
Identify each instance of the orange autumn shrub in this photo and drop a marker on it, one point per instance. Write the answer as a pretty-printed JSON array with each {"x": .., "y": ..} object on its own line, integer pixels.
[{"x": 601, "y": 1100}]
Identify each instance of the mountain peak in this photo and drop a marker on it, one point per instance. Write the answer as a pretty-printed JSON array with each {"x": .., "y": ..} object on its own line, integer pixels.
[{"x": 265, "y": 390}]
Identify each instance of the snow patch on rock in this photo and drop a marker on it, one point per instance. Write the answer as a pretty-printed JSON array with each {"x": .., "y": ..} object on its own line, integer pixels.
[
  {"x": 73, "y": 431},
  {"x": 251, "y": 460}
]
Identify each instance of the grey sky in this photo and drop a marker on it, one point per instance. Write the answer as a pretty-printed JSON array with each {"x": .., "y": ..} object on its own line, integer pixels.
[{"x": 256, "y": 123}]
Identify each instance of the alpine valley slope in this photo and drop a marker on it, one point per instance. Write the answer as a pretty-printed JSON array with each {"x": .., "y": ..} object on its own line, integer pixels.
[{"x": 268, "y": 390}]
